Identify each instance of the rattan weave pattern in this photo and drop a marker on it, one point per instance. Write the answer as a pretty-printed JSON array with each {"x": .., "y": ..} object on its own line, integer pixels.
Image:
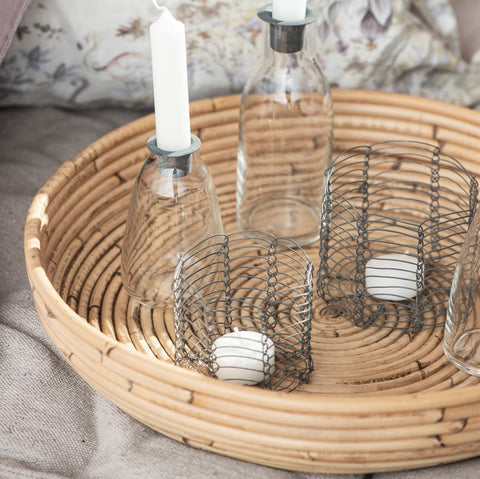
[{"x": 378, "y": 399}]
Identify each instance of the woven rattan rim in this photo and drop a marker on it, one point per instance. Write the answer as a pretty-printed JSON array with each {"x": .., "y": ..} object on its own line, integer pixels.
[{"x": 372, "y": 431}]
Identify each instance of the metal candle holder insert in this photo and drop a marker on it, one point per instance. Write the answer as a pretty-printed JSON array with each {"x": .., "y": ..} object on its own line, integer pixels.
[
  {"x": 286, "y": 37},
  {"x": 174, "y": 163}
]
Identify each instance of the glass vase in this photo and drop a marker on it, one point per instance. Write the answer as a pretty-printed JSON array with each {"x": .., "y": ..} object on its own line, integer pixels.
[
  {"x": 173, "y": 206},
  {"x": 285, "y": 134},
  {"x": 462, "y": 327}
]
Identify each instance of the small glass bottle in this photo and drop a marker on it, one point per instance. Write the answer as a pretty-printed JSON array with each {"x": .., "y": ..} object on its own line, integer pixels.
[
  {"x": 285, "y": 134},
  {"x": 173, "y": 207}
]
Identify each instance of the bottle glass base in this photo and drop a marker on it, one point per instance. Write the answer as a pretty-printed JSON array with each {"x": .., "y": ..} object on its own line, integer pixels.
[
  {"x": 283, "y": 217},
  {"x": 465, "y": 352}
]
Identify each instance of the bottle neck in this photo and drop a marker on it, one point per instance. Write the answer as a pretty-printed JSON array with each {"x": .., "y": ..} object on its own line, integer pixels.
[{"x": 288, "y": 37}]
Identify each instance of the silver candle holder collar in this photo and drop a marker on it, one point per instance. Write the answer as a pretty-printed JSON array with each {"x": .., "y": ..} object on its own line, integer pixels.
[{"x": 174, "y": 163}]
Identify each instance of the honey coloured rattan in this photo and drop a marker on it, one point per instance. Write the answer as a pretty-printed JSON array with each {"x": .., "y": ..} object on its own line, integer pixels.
[{"x": 378, "y": 399}]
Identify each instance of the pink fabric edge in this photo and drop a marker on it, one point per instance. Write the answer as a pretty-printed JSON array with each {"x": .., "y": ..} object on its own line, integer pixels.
[{"x": 8, "y": 30}]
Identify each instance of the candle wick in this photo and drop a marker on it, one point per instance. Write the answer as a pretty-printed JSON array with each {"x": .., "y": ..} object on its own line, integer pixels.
[{"x": 162, "y": 8}]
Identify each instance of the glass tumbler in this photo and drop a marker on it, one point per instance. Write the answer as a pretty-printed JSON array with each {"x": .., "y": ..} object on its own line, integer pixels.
[
  {"x": 173, "y": 206},
  {"x": 462, "y": 328}
]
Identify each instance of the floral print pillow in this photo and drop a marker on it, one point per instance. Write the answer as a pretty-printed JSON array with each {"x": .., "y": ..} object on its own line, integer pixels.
[{"x": 93, "y": 53}]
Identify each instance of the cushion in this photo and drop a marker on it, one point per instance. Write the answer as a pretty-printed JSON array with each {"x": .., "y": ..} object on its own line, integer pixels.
[
  {"x": 468, "y": 18},
  {"x": 12, "y": 11},
  {"x": 94, "y": 53}
]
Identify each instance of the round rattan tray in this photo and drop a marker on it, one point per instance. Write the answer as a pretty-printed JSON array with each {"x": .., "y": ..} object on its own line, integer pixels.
[{"x": 379, "y": 399}]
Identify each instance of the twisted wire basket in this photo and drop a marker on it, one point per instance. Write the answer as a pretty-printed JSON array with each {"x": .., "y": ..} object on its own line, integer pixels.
[
  {"x": 394, "y": 217},
  {"x": 248, "y": 283}
]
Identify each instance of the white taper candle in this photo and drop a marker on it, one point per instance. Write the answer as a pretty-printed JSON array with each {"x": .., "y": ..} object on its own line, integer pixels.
[
  {"x": 170, "y": 83},
  {"x": 289, "y": 10}
]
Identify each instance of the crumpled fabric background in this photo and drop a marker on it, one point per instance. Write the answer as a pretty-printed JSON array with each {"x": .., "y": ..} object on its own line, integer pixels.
[
  {"x": 12, "y": 12},
  {"x": 94, "y": 53}
]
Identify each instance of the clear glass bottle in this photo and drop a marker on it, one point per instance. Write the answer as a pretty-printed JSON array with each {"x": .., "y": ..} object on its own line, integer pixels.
[
  {"x": 285, "y": 134},
  {"x": 462, "y": 326},
  {"x": 173, "y": 206}
]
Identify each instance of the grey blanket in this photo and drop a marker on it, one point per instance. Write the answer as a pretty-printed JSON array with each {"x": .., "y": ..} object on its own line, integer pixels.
[{"x": 52, "y": 424}]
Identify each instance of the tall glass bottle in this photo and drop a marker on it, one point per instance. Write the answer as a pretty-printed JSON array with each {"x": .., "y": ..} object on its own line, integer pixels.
[
  {"x": 285, "y": 134},
  {"x": 173, "y": 206}
]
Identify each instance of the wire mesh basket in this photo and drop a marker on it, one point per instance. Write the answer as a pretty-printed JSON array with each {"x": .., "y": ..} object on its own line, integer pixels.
[
  {"x": 394, "y": 217},
  {"x": 243, "y": 305}
]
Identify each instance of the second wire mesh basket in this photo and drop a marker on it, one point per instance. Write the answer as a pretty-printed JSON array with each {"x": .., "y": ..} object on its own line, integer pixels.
[{"x": 394, "y": 218}]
